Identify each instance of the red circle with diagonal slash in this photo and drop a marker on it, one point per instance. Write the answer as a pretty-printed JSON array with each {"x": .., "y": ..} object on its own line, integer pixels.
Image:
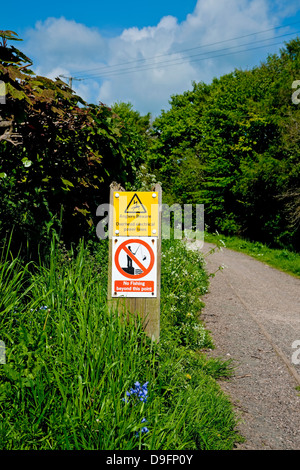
[{"x": 123, "y": 247}]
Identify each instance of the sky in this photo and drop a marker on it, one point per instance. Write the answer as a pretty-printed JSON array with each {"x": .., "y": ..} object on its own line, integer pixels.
[{"x": 143, "y": 52}]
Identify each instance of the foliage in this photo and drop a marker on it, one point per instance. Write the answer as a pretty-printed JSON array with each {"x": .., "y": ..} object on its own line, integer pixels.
[
  {"x": 134, "y": 139},
  {"x": 58, "y": 155},
  {"x": 234, "y": 146},
  {"x": 77, "y": 377},
  {"x": 184, "y": 285}
]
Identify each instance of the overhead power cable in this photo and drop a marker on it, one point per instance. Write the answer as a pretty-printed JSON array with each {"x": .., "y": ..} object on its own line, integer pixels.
[
  {"x": 187, "y": 59},
  {"x": 107, "y": 68}
]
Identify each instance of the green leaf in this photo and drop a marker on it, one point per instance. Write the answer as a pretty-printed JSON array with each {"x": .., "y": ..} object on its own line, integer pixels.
[
  {"x": 11, "y": 35},
  {"x": 27, "y": 163},
  {"x": 67, "y": 182}
]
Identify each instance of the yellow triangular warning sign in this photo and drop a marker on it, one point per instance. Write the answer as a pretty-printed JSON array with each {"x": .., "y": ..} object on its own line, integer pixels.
[{"x": 135, "y": 206}]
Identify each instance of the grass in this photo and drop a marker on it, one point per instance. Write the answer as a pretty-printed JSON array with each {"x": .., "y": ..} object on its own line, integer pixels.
[
  {"x": 281, "y": 259},
  {"x": 77, "y": 377}
]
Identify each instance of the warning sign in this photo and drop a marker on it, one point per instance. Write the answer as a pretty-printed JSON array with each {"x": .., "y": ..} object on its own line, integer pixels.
[
  {"x": 135, "y": 214},
  {"x": 134, "y": 267},
  {"x": 135, "y": 206}
]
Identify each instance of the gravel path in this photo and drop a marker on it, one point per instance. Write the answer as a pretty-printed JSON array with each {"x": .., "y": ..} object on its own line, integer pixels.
[{"x": 253, "y": 314}]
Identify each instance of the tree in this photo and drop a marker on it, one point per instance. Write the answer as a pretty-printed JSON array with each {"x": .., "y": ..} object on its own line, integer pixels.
[
  {"x": 58, "y": 155},
  {"x": 174, "y": 150},
  {"x": 134, "y": 139},
  {"x": 233, "y": 146}
]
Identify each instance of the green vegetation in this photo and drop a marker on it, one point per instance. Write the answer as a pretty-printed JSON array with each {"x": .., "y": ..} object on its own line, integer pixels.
[
  {"x": 282, "y": 259},
  {"x": 76, "y": 375},
  {"x": 73, "y": 370},
  {"x": 58, "y": 155},
  {"x": 233, "y": 146}
]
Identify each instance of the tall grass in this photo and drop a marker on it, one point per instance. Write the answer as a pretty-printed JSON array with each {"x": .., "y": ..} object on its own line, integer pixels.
[{"x": 77, "y": 377}]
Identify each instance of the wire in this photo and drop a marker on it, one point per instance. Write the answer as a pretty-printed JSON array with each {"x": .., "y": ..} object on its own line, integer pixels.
[
  {"x": 104, "y": 68},
  {"x": 187, "y": 59}
]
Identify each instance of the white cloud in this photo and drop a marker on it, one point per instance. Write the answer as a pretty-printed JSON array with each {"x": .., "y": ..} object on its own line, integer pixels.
[
  {"x": 61, "y": 46},
  {"x": 61, "y": 42}
]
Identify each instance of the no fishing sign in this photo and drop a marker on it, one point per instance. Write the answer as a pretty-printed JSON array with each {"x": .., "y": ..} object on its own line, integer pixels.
[{"x": 134, "y": 267}]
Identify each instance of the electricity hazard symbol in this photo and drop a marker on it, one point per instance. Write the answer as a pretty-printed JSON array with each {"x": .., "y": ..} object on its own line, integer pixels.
[
  {"x": 134, "y": 270},
  {"x": 135, "y": 206}
]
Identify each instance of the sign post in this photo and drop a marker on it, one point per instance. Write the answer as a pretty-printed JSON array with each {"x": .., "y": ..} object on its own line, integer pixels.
[{"x": 135, "y": 255}]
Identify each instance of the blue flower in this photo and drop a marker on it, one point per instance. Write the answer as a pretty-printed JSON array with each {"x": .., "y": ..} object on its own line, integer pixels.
[
  {"x": 144, "y": 429},
  {"x": 139, "y": 391}
]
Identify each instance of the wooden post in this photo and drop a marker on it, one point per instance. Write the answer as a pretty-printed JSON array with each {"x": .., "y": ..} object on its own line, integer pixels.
[{"x": 148, "y": 308}]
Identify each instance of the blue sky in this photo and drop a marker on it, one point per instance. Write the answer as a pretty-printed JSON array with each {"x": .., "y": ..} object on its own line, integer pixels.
[
  {"x": 145, "y": 51},
  {"x": 110, "y": 16}
]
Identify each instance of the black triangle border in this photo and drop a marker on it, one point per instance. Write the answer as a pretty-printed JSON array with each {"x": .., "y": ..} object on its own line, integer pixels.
[{"x": 131, "y": 212}]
